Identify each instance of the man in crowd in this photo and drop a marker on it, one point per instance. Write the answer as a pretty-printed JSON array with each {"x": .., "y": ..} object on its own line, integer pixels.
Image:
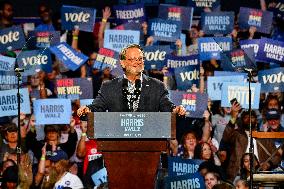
[{"x": 134, "y": 92}]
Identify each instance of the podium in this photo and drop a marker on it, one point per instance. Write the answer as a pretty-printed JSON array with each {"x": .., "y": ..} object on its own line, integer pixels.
[{"x": 131, "y": 144}]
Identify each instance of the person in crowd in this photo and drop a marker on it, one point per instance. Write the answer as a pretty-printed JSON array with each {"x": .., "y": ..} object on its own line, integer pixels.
[
  {"x": 150, "y": 92},
  {"x": 211, "y": 179},
  {"x": 223, "y": 185},
  {"x": 238, "y": 139},
  {"x": 10, "y": 178},
  {"x": 6, "y": 14},
  {"x": 45, "y": 14},
  {"x": 204, "y": 152},
  {"x": 242, "y": 184}
]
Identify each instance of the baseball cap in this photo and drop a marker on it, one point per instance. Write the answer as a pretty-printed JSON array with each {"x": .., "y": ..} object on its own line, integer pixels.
[
  {"x": 57, "y": 155},
  {"x": 11, "y": 127},
  {"x": 272, "y": 114}
]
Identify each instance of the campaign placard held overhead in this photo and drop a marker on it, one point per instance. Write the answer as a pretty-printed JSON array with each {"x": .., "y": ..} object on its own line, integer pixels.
[
  {"x": 9, "y": 102},
  {"x": 215, "y": 84},
  {"x": 118, "y": 39},
  {"x": 194, "y": 103},
  {"x": 173, "y": 61},
  {"x": 43, "y": 39},
  {"x": 78, "y": 16},
  {"x": 251, "y": 43},
  {"x": 238, "y": 60},
  {"x": 177, "y": 13},
  {"x": 210, "y": 47},
  {"x": 69, "y": 56},
  {"x": 7, "y": 63},
  {"x": 271, "y": 51},
  {"x": 217, "y": 22},
  {"x": 201, "y": 4},
  {"x": 106, "y": 58},
  {"x": 271, "y": 80},
  {"x": 240, "y": 91},
  {"x": 227, "y": 73},
  {"x": 187, "y": 76},
  {"x": 262, "y": 20},
  {"x": 155, "y": 56},
  {"x": 8, "y": 80},
  {"x": 74, "y": 88},
  {"x": 178, "y": 166},
  {"x": 11, "y": 38},
  {"x": 164, "y": 30},
  {"x": 35, "y": 60},
  {"x": 52, "y": 111},
  {"x": 187, "y": 181},
  {"x": 129, "y": 13}
]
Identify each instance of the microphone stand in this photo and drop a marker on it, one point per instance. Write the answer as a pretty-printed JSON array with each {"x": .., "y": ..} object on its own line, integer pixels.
[{"x": 251, "y": 148}]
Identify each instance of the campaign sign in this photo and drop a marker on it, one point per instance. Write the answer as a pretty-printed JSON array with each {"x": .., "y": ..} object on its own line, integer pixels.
[
  {"x": 187, "y": 181},
  {"x": 11, "y": 38},
  {"x": 106, "y": 58},
  {"x": 42, "y": 39},
  {"x": 7, "y": 63},
  {"x": 210, "y": 47},
  {"x": 69, "y": 56},
  {"x": 251, "y": 43},
  {"x": 204, "y": 3},
  {"x": 155, "y": 56},
  {"x": 118, "y": 39},
  {"x": 129, "y": 13},
  {"x": 271, "y": 80},
  {"x": 187, "y": 76},
  {"x": 226, "y": 73},
  {"x": 194, "y": 103},
  {"x": 177, "y": 13},
  {"x": 8, "y": 80},
  {"x": 215, "y": 84},
  {"x": 271, "y": 51},
  {"x": 262, "y": 20},
  {"x": 217, "y": 22},
  {"x": 240, "y": 91},
  {"x": 74, "y": 88},
  {"x": 78, "y": 16},
  {"x": 181, "y": 61},
  {"x": 178, "y": 166},
  {"x": 52, "y": 111},
  {"x": 164, "y": 30},
  {"x": 9, "y": 102},
  {"x": 238, "y": 60},
  {"x": 35, "y": 60}
]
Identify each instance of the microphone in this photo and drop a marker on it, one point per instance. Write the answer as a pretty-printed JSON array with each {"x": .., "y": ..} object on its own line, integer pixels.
[
  {"x": 248, "y": 70},
  {"x": 19, "y": 70}
]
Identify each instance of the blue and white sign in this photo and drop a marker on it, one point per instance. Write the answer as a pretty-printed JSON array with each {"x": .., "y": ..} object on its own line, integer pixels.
[
  {"x": 240, "y": 91},
  {"x": 251, "y": 43},
  {"x": 11, "y": 38},
  {"x": 69, "y": 56},
  {"x": 35, "y": 60},
  {"x": 106, "y": 58},
  {"x": 271, "y": 80},
  {"x": 187, "y": 76},
  {"x": 85, "y": 102},
  {"x": 164, "y": 30},
  {"x": 52, "y": 111},
  {"x": 100, "y": 177},
  {"x": 155, "y": 56},
  {"x": 177, "y": 13},
  {"x": 7, "y": 63},
  {"x": 194, "y": 103},
  {"x": 226, "y": 73},
  {"x": 9, "y": 102},
  {"x": 173, "y": 61},
  {"x": 215, "y": 84},
  {"x": 78, "y": 16},
  {"x": 129, "y": 13},
  {"x": 262, "y": 20},
  {"x": 187, "y": 181},
  {"x": 178, "y": 166},
  {"x": 118, "y": 39},
  {"x": 8, "y": 80},
  {"x": 271, "y": 51},
  {"x": 210, "y": 47},
  {"x": 217, "y": 22}
]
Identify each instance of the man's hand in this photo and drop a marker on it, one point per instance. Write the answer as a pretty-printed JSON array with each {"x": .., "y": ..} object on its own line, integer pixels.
[
  {"x": 84, "y": 110},
  {"x": 236, "y": 107},
  {"x": 180, "y": 110}
]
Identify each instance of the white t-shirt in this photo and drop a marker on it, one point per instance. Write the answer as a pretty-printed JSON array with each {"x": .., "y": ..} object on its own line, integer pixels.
[{"x": 69, "y": 180}]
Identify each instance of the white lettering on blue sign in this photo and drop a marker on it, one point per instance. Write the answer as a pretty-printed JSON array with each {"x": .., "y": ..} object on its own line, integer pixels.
[
  {"x": 213, "y": 46},
  {"x": 191, "y": 75},
  {"x": 241, "y": 94},
  {"x": 130, "y": 14},
  {"x": 155, "y": 56},
  {"x": 273, "y": 78},
  {"x": 67, "y": 52},
  {"x": 186, "y": 184},
  {"x": 274, "y": 51},
  {"x": 9, "y": 37},
  {"x": 181, "y": 63},
  {"x": 77, "y": 17},
  {"x": 33, "y": 60}
]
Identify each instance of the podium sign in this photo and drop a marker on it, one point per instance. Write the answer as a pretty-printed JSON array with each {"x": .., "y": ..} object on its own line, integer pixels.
[{"x": 132, "y": 125}]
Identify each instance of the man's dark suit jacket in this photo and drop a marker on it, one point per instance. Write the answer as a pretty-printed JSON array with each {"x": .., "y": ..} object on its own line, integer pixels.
[{"x": 154, "y": 97}]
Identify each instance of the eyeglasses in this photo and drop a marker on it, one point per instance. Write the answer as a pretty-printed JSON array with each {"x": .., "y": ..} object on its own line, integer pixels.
[{"x": 135, "y": 59}]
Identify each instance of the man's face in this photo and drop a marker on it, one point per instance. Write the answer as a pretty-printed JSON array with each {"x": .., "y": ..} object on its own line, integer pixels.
[
  {"x": 52, "y": 136},
  {"x": 246, "y": 122},
  {"x": 44, "y": 14},
  {"x": 134, "y": 61},
  {"x": 12, "y": 136},
  {"x": 7, "y": 12},
  {"x": 273, "y": 124}
]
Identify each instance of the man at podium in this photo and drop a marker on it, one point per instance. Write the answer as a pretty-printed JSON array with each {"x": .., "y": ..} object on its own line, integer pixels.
[{"x": 134, "y": 91}]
